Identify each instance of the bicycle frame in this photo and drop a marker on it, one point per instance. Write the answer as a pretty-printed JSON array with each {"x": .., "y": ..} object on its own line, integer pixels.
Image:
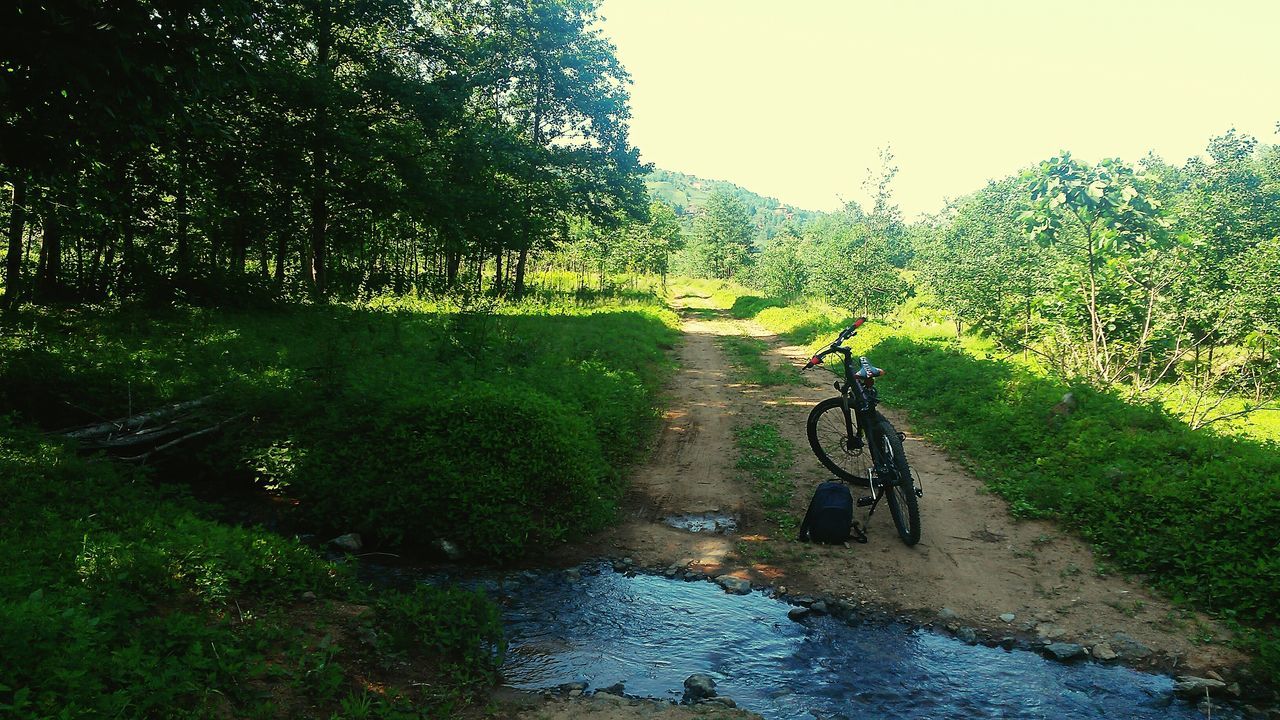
[{"x": 858, "y": 403}]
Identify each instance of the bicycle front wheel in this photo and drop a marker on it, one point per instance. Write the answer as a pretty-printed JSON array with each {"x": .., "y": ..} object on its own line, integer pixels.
[
  {"x": 838, "y": 451},
  {"x": 904, "y": 506}
]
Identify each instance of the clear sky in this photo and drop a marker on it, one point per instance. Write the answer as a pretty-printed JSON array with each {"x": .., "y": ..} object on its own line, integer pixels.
[{"x": 793, "y": 98}]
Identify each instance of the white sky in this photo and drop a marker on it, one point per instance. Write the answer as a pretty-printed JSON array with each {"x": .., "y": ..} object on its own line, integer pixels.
[{"x": 793, "y": 99}]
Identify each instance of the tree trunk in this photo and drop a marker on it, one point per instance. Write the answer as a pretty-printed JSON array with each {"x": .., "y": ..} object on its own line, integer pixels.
[
  {"x": 48, "y": 278},
  {"x": 17, "y": 223},
  {"x": 184, "y": 220},
  {"x": 497, "y": 272},
  {"x": 320, "y": 157},
  {"x": 521, "y": 263},
  {"x": 453, "y": 259}
]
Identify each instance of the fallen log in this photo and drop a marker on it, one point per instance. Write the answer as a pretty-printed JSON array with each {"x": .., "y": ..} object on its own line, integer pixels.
[
  {"x": 134, "y": 422},
  {"x": 137, "y": 438}
]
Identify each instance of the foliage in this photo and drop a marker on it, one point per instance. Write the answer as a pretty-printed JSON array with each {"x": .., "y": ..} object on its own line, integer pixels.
[
  {"x": 721, "y": 240},
  {"x": 193, "y": 150},
  {"x": 1153, "y": 278},
  {"x": 120, "y": 601},
  {"x": 688, "y": 196},
  {"x": 493, "y": 467}
]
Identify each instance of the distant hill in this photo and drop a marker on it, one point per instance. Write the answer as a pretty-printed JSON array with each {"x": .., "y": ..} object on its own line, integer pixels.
[{"x": 688, "y": 195}]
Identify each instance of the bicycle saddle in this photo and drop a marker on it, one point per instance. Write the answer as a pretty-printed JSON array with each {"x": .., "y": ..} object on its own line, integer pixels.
[{"x": 868, "y": 370}]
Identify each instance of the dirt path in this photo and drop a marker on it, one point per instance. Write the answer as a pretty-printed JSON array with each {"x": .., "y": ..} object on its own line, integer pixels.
[{"x": 974, "y": 559}]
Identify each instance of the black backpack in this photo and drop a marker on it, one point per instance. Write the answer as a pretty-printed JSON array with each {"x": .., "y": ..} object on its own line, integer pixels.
[{"x": 830, "y": 516}]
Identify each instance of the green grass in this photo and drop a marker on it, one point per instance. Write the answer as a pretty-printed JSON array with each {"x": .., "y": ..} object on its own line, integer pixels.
[
  {"x": 748, "y": 354},
  {"x": 502, "y": 427},
  {"x": 1193, "y": 511},
  {"x": 766, "y": 457}
]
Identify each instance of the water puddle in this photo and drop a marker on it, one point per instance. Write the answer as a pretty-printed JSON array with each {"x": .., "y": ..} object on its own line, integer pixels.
[
  {"x": 709, "y": 522},
  {"x": 651, "y": 632}
]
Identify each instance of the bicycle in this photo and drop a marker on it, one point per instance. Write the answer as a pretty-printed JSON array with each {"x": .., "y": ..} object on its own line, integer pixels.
[{"x": 846, "y": 432}]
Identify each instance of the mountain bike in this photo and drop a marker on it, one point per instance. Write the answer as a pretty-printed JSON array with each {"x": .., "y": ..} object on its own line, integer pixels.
[{"x": 854, "y": 441}]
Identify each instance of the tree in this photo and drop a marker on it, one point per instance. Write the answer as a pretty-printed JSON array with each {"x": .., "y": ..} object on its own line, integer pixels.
[
  {"x": 1106, "y": 227},
  {"x": 721, "y": 237},
  {"x": 778, "y": 269},
  {"x": 848, "y": 265}
]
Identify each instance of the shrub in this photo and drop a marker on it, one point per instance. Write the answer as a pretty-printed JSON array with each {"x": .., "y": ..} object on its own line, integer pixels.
[{"x": 492, "y": 467}]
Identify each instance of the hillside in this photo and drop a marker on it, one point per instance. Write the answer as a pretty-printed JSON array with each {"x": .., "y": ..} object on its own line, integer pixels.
[{"x": 689, "y": 193}]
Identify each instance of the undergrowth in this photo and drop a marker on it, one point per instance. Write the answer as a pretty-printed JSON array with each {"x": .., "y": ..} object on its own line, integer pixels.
[
  {"x": 501, "y": 427},
  {"x": 119, "y": 600}
]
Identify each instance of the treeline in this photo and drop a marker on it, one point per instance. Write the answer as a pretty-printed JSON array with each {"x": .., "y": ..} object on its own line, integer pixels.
[
  {"x": 1127, "y": 276},
  {"x": 689, "y": 195},
  {"x": 852, "y": 257},
  {"x": 206, "y": 150}
]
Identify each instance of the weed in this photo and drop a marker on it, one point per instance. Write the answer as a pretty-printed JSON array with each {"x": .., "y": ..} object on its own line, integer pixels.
[
  {"x": 748, "y": 354},
  {"x": 766, "y": 457}
]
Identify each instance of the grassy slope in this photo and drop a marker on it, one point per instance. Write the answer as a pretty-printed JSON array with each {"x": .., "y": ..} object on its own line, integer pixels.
[
  {"x": 405, "y": 420},
  {"x": 1193, "y": 511}
]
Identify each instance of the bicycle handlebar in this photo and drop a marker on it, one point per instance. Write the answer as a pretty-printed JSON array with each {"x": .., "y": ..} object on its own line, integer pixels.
[{"x": 836, "y": 344}]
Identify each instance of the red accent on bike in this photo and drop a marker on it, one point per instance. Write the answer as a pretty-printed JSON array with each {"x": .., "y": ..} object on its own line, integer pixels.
[
  {"x": 858, "y": 323},
  {"x": 815, "y": 360}
]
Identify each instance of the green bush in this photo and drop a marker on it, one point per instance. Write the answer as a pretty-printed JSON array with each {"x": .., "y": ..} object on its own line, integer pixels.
[
  {"x": 491, "y": 467},
  {"x": 340, "y": 386}
]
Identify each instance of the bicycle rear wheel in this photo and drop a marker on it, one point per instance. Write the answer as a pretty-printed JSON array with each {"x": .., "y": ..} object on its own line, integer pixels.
[
  {"x": 836, "y": 450},
  {"x": 904, "y": 506}
]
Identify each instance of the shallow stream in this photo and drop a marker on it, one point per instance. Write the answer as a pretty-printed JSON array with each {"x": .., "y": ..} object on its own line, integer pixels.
[{"x": 651, "y": 632}]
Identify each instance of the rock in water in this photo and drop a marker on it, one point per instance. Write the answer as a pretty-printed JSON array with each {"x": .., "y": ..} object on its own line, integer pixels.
[
  {"x": 1103, "y": 651},
  {"x": 347, "y": 543},
  {"x": 967, "y": 634},
  {"x": 573, "y": 689},
  {"x": 1192, "y": 687},
  {"x": 1064, "y": 651},
  {"x": 796, "y": 614},
  {"x": 734, "y": 585},
  {"x": 698, "y": 687},
  {"x": 615, "y": 689}
]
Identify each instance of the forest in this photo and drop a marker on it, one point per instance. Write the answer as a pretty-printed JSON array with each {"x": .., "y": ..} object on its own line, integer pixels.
[
  {"x": 218, "y": 151},
  {"x": 342, "y": 247},
  {"x": 1152, "y": 279}
]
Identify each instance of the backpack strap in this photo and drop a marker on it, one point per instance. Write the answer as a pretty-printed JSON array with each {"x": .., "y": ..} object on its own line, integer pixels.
[{"x": 856, "y": 533}]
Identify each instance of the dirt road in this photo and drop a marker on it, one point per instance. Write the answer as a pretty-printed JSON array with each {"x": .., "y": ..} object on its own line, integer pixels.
[{"x": 973, "y": 564}]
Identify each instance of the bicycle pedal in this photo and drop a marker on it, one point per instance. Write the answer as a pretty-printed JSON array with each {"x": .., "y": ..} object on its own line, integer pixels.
[{"x": 865, "y": 501}]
